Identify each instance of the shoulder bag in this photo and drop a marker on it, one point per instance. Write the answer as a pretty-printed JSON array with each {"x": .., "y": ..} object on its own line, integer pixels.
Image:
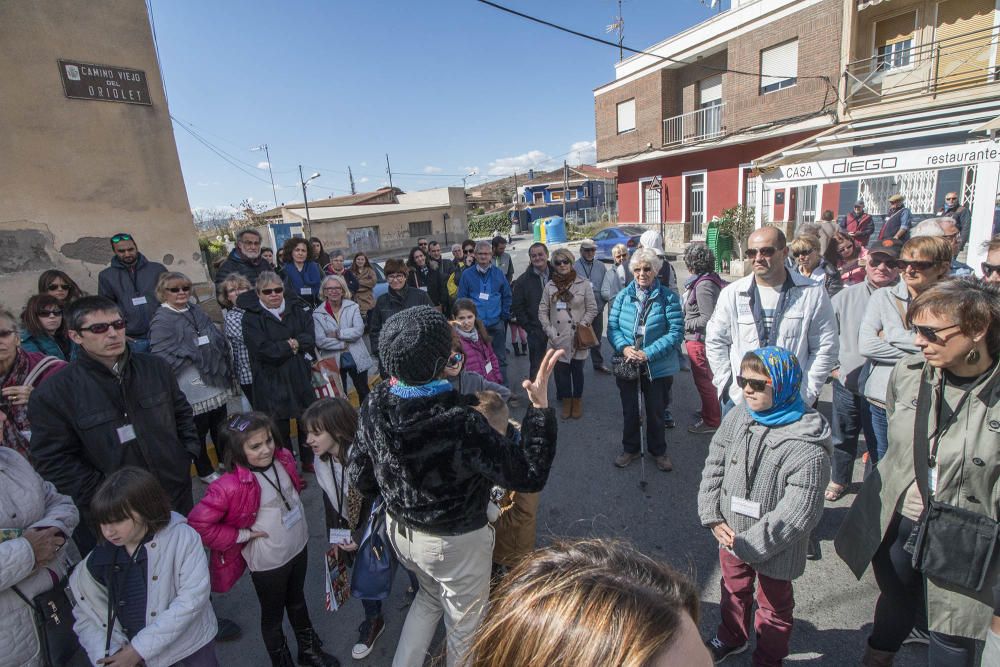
[
  {"x": 53, "y": 614},
  {"x": 585, "y": 337},
  {"x": 374, "y": 561}
]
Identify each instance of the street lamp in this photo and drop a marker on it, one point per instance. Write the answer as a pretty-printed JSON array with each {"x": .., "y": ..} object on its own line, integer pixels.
[
  {"x": 263, "y": 147},
  {"x": 305, "y": 199}
]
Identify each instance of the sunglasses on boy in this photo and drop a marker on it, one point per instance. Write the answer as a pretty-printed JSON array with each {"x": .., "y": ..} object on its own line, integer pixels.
[
  {"x": 989, "y": 269},
  {"x": 756, "y": 385}
]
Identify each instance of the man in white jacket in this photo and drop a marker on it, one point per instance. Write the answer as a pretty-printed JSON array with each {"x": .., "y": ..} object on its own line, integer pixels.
[{"x": 772, "y": 306}]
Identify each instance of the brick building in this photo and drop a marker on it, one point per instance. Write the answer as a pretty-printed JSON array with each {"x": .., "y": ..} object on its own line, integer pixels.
[{"x": 683, "y": 124}]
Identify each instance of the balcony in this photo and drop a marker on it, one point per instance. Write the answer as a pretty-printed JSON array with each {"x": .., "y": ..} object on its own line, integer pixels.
[
  {"x": 899, "y": 71},
  {"x": 694, "y": 126}
]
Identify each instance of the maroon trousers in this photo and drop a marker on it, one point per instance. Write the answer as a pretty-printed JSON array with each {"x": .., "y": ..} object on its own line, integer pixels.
[
  {"x": 711, "y": 411},
  {"x": 773, "y": 621}
]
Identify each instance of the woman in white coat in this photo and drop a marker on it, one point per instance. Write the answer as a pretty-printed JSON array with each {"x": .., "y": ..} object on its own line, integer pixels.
[
  {"x": 37, "y": 521},
  {"x": 339, "y": 330}
]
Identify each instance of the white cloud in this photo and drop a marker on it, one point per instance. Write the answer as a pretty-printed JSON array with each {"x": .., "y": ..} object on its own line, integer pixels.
[
  {"x": 580, "y": 152},
  {"x": 431, "y": 169},
  {"x": 264, "y": 164},
  {"x": 364, "y": 164},
  {"x": 363, "y": 179}
]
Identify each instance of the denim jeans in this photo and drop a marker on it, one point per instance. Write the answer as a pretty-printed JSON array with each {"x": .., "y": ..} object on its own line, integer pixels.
[
  {"x": 880, "y": 428},
  {"x": 850, "y": 418},
  {"x": 498, "y": 333}
]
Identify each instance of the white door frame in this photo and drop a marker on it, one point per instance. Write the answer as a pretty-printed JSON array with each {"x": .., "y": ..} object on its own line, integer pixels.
[{"x": 684, "y": 189}]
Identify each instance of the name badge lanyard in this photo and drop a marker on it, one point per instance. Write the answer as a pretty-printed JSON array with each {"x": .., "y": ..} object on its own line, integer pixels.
[
  {"x": 750, "y": 472},
  {"x": 276, "y": 487},
  {"x": 939, "y": 430},
  {"x": 763, "y": 331},
  {"x": 113, "y": 601},
  {"x": 189, "y": 316},
  {"x": 484, "y": 283},
  {"x": 338, "y": 488}
]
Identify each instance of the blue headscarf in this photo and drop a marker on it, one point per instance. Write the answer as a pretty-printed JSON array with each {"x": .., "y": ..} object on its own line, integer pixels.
[{"x": 786, "y": 377}]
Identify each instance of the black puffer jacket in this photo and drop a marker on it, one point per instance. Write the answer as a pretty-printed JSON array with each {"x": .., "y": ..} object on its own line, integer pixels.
[
  {"x": 282, "y": 379},
  {"x": 122, "y": 284},
  {"x": 388, "y": 305},
  {"x": 237, "y": 263},
  {"x": 434, "y": 458},
  {"x": 75, "y": 415}
]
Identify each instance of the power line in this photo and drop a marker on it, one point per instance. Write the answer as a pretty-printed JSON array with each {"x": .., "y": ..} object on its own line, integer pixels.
[{"x": 212, "y": 148}]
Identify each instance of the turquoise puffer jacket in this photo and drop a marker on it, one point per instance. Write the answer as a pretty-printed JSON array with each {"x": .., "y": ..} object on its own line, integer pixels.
[{"x": 664, "y": 327}]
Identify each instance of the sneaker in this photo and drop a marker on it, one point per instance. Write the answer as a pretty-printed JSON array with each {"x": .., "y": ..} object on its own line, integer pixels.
[
  {"x": 368, "y": 634},
  {"x": 668, "y": 419},
  {"x": 701, "y": 427},
  {"x": 720, "y": 651},
  {"x": 624, "y": 459},
  {"x": 208, "y": 479},
  {"x": 917, "y": 636},
  {"x": 664, "y": 463}
]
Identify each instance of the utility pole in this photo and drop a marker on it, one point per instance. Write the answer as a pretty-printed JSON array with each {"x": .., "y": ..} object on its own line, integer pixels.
[
  {"x": 388, "y": 170},
  {"x": 565, "y": 187},
  {"x": 351, "y": 176},
  {"x": 517, "y": 202},
  {"x": 267, "y": 155},
  {"x": 305, "y": 199}
]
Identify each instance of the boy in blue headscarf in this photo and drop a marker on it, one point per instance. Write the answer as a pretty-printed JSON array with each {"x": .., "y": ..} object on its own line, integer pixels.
[{"x": 762, "y": 494}]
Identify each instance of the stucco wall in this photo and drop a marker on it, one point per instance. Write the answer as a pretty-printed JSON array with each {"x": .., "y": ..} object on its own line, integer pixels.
[{"x": 73, "y": 172}]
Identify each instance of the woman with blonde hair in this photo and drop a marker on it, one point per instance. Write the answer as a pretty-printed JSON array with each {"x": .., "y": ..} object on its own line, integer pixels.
[
  {"x": 593, "y": 602},
  {"x": 226, "y": 294},
  {"x": 339, "y": 329}
]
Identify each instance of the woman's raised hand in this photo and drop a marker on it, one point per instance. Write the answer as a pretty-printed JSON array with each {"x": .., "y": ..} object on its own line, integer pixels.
[{"x": 538, "y": 390}]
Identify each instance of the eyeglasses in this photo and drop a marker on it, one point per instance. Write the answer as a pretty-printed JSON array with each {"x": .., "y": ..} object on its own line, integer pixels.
[
  {"x": 876, "y": 262},
  {"x": 930, "y": 334},
  {"x": 252, "y": 244},
  {"x": 455, "y": 359},
  {"x": 6, "y": 333},
  {"x": 333, "y": 288},
  {"x": 766, "y": 251},
  {"x": 51, "y": 313},
  {"x": 756, "y": 385},
  {"x": 951, "y": 198},
  {"x": 57, "y": 287},
  {"x": 642, "y": 269},
  {"x": 239, "y": 423},
  {"x": 396, "y": 276},
  {"x": 175, "y": 290},
  {"x": 102, "y": 327},
  {"x": 989, "y": 269},
  {"x": 802, "y": 253},
  {"x": 916, "y": 264},
  {"x": 561, "y": 262},
  {"x": 272, "y": 290},
  {"x": 121, "y": 237}
]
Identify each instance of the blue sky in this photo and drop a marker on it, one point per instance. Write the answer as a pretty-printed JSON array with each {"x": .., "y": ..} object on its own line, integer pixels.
[{"x": 445, "y": 87}]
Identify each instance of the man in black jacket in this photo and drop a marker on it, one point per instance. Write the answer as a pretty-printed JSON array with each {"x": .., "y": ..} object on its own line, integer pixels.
[
  {"x": 244, "y": 259},
  {"x": 524, "y": 303},
  {"x": 108, "y": 409},
  {"x": 130, "y": 282}
]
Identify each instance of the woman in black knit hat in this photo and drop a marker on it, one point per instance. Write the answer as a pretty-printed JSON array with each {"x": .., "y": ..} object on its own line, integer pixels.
[{"x": 433, "y": 459}]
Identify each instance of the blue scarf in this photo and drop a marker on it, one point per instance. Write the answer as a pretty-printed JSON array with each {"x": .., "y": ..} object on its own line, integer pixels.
[
  {"x": 786, "y": 376},
  {"x": 399, "y": 388}
]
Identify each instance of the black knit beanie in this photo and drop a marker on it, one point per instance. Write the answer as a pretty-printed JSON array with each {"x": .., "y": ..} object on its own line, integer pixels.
[{"x": 414, "y": 344}]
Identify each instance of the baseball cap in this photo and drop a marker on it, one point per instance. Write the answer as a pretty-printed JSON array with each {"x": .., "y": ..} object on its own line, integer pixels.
[
  {"x": 890, "y": 247},
  {"x": 587, "y": 244}
]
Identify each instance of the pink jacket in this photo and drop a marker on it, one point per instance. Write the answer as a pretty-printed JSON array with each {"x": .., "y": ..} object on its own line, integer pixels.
[
  {"x": 231, "y": 503},
  {"x": 477, "y": 355}
]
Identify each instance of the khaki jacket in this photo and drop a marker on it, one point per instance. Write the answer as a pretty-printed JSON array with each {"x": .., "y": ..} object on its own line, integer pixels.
[
  {"x": 559, "y": 324},
  {"x": 968, "y": 467}
]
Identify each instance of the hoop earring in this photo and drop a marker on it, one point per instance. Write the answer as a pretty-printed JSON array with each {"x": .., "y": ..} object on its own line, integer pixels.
[{"x": 973, "y": 356}]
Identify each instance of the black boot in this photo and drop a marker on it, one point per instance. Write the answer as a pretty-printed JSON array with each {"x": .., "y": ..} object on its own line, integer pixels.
[
  {"x": 311, "y": 653},
  {"x": 282, "y": 657}
]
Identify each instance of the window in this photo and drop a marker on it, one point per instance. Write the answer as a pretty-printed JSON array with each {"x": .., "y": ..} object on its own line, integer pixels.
[
  {"x": 626, "y": 116},
  {"x": 556, "y": 195},
  {"x": 601, "y": 235},
  {"x": 710, "y": 91},
  {"x": 894, "y": 41},
  {"x": 779, "y": 66},
  {"x": 651, "y": 199},
  {"x": 422, "y": 228},
  {"x": 538, "y": 197}
]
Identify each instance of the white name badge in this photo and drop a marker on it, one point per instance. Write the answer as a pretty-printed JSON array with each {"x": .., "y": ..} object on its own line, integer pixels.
[
  {"x": 139, "y": 301},
  {"x": 484, "y": 296},
  {"x": 125, "y": 433},
  {"x": 561, "y": 305},
  {"x": 423, "y": 288},
  {"x": 745, "y": 507},
  {"x": 202, "y": 340},
  {"x": 339, "y": 535},
  {"x": 292, "y": 517},
  {"x": 744, "y": 309},
  {"x": 932, "y": 475},
  {"x": 641, "y": 330},
  {"x": 308, "y": 356},
  {"x": 489, "y": 367},
  {"x": 307, "y": 291}
]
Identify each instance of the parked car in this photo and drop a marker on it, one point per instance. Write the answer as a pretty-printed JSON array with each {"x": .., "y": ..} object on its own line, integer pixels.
[
  {"x": 609, "y": 237},
  {"x": 381, "y": 284}
]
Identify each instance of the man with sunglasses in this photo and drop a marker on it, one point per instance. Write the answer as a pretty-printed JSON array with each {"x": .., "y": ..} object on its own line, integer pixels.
[
  {"x": 130, "y": 282},
  {"x": 959, "y": 213},
  {"x": 110, "y": 408},
  {"x": 991, "y": 267},
  {"x": 773, "y": 306},
  {"x": 245, "y": 258},
  {"x": 947, "y": 228}
]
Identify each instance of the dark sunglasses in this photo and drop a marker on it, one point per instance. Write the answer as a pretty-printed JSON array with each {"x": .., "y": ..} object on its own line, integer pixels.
[
  {"x": 561, "y": 262},
  {"x": 470, "y": 251},
  {"x": 766, "y": 251},
  {"x": 989, "y": 269},
  {"x": 6, "y": 333},
  {"x": 121, "y": 237},
  {"x": 55, "y": 287},
  {"x": 175, "y": 290},
  {"x": 917, "y": 264},
  {"x": 951, "y": 198},
  {"x": 931, "y": 334},
  {"x": 756, "y": 385},
  {"x": 801, "y": 253},
  {"x": 272, "y": 290},
  {"x": 102, "y": 327},
  {"x": 51, "y": 313},
  {"x": 239, "y": 423},
  {"x": 455, "y": 359},
  {"x": 875, "y": 262}
]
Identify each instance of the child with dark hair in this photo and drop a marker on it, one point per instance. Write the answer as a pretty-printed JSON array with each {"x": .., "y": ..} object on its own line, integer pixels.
[
  {"x": 252, "y": 518},
  {"x": 148, "y": 579},
  {"x": 479, "y": 355}
]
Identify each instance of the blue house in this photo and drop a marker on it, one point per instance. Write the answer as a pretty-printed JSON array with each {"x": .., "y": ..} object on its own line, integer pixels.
[{"x": 583, "y": 187}]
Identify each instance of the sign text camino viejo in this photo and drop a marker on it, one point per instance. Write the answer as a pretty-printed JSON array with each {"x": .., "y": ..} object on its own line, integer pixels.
[{"x": 107, "y": 83}]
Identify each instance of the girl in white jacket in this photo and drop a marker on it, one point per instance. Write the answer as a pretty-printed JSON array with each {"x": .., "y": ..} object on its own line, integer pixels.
[{"x": 149, "y": 577}]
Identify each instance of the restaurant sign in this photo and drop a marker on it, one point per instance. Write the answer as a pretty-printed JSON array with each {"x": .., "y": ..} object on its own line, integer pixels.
[{"x": 107, "y": 83}]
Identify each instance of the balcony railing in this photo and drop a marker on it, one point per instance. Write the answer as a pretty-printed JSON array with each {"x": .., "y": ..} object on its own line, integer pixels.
[
  {"x": 694, "y": 126},
  {"x": 960, "y": 62}
]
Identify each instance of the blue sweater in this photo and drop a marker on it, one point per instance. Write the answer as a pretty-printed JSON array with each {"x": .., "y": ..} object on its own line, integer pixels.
[
  {"x": 296, "y": 280},
  {"x": 46, "y": 345},
  {"x": 664, "y": 327},
  {"x": 493, "y": 283}
]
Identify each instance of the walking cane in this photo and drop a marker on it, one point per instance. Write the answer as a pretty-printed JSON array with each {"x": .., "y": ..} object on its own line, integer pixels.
[{"x": 642, "y": 434}]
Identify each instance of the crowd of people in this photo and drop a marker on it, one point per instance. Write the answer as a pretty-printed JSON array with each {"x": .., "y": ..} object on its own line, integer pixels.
[{"x": 110, "y": 399}]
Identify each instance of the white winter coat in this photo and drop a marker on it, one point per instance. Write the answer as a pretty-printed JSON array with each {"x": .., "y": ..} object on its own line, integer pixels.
[
  {"x": 808, "y": 329},
  {"x": 179, "y": 616},
  {"x": 351, "y": 329},
  {"x": 27, "y": 501}
]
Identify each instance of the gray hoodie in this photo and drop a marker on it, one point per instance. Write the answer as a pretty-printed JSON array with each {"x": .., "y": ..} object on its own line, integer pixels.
[{"x": 792, "y": 473}]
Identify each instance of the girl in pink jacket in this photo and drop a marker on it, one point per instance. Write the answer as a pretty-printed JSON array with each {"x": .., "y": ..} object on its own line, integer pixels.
[
  {"x": 479, "y": 355},
  {"x": 252, "y": 518}
]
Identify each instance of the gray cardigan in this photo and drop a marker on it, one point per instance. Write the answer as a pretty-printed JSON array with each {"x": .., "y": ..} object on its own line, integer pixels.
[
  {"x": 897, "y": 341},
  {"x": 850, "y": 306},
  {"x": 793, "y": 472}
]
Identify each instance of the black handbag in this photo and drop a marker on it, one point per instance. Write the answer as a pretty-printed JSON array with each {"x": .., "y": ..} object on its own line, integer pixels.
[
  {"x": 624, "y": 369},
  {"x": 53, "y": 612}
]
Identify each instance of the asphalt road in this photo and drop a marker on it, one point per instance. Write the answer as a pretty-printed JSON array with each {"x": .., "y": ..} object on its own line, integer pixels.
[{"x": 588, "y": 497}]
